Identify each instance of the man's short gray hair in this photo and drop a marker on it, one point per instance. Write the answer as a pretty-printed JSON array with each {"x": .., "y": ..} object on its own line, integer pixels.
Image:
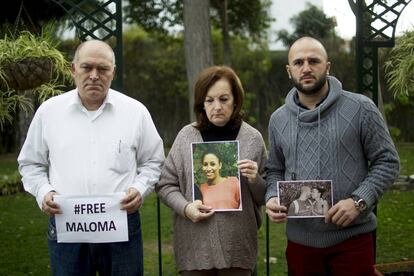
[{"x": 80, "y": 46}]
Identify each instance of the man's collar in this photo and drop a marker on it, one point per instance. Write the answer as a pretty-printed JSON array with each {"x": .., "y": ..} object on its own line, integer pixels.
[
  {"x": 76, "y": 100},
  {"x": 109, "y": 98},
  {"x": 296, "y": 98}
]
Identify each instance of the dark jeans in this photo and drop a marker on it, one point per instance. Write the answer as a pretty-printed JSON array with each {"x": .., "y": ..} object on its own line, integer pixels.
[{"x": 118, "y": 258}]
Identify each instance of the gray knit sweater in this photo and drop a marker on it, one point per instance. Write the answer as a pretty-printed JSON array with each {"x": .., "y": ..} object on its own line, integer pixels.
[
  {"x": 227, "y": 239},
  {"x": 345, "y": 140}
]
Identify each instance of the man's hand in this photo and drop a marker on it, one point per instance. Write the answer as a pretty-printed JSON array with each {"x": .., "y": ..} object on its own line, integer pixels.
[
  {"x": 196, "y": 211},
  {"x": 342, "y": 213},
  {"x": 132, "y": 201},
  {"x": 275, "y": 211},
  {"x": 49, "y": 207}
]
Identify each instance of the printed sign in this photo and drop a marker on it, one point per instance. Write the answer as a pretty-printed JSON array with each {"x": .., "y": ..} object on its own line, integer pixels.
[{"x": 91, "y": 219}]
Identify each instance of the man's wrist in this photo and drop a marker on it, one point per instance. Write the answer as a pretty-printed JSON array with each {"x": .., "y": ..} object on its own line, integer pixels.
[
  {"x": 359, "y": 203},
  {"x": 271, "y": 197}
]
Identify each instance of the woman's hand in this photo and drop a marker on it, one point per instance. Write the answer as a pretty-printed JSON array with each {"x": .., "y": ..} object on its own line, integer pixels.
[
  {"x": 196, "y": 211},
  {"x": 248, "y": 169}
]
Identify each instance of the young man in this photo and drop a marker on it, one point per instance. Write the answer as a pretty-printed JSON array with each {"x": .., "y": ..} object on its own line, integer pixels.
[
  {"x": 324, "y": 132},
  {"x": 301, "y": 206},
  {"x": 92, "y": 141}
]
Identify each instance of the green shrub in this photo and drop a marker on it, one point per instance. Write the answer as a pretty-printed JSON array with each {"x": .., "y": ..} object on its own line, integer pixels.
[{"x": 10, "y": 183}]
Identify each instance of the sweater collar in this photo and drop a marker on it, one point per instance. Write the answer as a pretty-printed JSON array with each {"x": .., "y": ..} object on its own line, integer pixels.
[
  {"x": 305, "y": 115},
  {"x": 225, "y": 133},
  {"x": 296, "y": 99}
]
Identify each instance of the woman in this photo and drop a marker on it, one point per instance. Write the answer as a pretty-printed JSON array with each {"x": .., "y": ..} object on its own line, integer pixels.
[
  {"x": 208, "y": 242},
  {"x": 218, "y": 192},
  {"x": 319, "y": 205}
]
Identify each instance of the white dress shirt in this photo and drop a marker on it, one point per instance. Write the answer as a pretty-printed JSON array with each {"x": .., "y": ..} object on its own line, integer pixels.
[{"x": 76, "y": 152}]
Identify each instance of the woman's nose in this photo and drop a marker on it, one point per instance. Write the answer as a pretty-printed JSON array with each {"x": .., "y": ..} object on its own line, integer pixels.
[{"x": 216, "y": 105}]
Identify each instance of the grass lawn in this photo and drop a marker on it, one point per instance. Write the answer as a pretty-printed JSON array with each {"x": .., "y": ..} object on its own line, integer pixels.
[
  {"x": 23, "y": 247},
  {"x": 23, "y": 241},
  {"x": 406, "y": 152}
]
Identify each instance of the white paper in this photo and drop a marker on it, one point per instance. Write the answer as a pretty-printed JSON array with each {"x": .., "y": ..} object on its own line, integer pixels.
[{"x": 91, "y": 219}]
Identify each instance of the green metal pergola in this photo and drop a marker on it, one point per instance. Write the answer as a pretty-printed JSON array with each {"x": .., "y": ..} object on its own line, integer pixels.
[
  {"x": 376, "y": 25},
  {"x": 99, "y": 19}
]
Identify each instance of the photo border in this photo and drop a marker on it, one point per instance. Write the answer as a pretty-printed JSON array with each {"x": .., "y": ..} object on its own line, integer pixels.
[
  {"x": 286, "y": 200},
  {"x": 197, "y": 144}
]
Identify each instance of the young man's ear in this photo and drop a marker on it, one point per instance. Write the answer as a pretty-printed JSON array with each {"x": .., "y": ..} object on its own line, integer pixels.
[
  {"x": 328, "y": 67},
  {"x": 288, "y": 71}
]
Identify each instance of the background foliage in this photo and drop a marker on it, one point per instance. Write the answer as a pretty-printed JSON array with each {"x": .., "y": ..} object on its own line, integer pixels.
[
  {"x": 155, "y": 74},
  {"x": 310, "y": 22},
  {"x": 246, "y": 18},
  {"x": 400, "y": 66}
]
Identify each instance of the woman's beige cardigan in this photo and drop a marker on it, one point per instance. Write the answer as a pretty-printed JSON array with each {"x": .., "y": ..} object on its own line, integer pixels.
[{"x": 227, "y": 239}]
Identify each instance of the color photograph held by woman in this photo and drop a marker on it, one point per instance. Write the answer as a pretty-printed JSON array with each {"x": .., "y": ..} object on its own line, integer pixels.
[
  {"x": 216, "y": 174},
  {"x": 208, "y": 242}
]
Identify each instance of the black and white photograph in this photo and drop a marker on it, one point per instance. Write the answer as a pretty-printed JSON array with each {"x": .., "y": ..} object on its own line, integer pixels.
[{"x": 305, "y": 198}]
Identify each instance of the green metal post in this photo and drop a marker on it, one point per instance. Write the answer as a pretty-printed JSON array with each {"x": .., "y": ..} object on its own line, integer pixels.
[
  {"x": 159, "y": 237},
  {"x": 267, "y": 247}
]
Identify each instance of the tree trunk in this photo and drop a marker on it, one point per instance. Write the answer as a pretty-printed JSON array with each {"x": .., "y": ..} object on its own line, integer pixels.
[
  {"x": 225, "y": 32},
  {"x": 197, "y": 43}
]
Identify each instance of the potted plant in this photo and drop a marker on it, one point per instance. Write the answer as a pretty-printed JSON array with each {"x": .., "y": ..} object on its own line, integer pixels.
[{"x": 30, "y": 63}]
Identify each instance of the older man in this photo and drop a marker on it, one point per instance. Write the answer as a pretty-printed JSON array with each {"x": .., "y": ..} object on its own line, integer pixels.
[{"x": 92, "y": 141}]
